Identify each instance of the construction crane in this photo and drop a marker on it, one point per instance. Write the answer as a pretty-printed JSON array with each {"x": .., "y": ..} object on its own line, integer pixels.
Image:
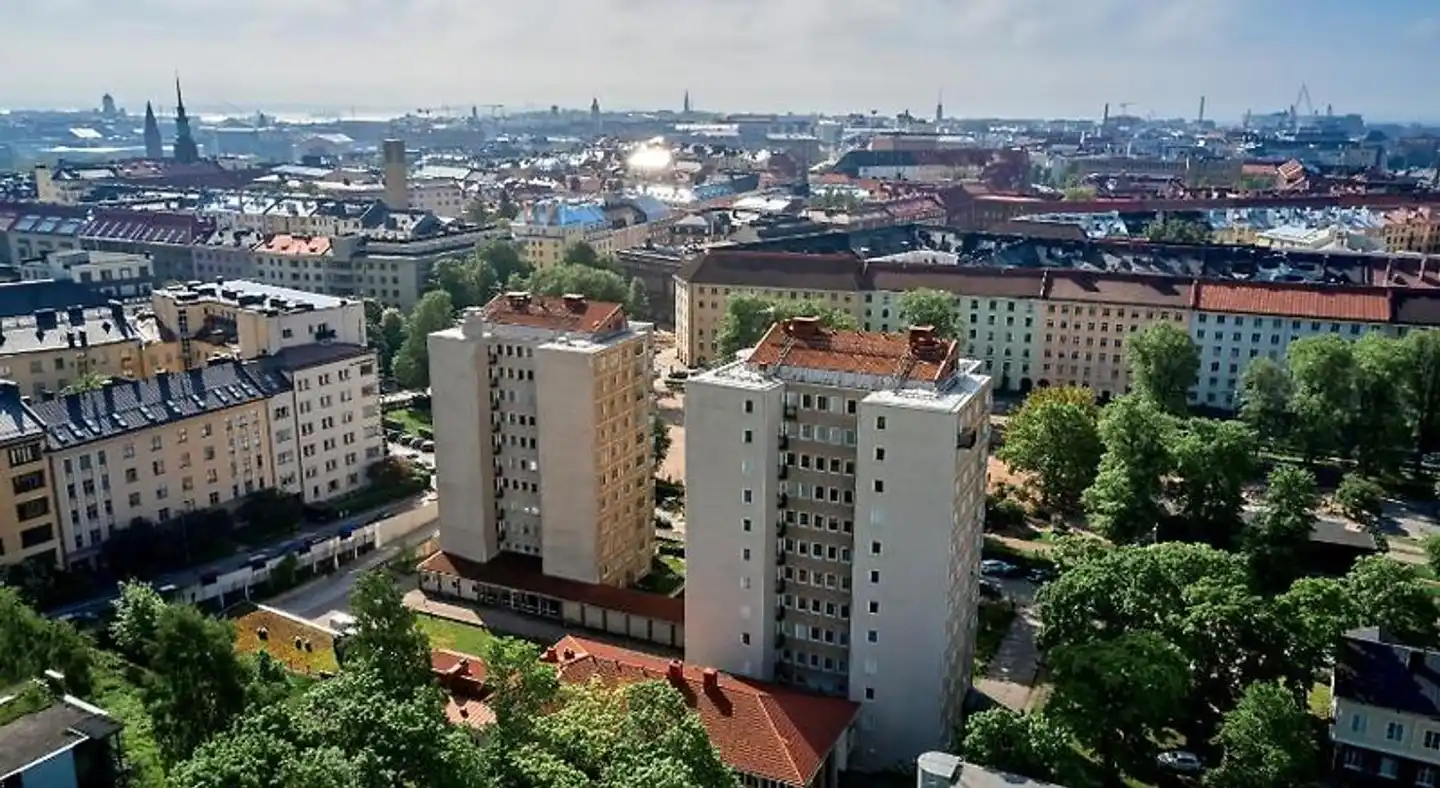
[
  {"x": 1125, "y": 107},
  {"x": 1302, "y": 101},
  {"x": 497, "y": 114}
]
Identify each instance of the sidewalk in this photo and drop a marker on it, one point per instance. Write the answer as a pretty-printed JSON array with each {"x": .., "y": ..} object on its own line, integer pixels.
[
  {"x": 505, "y": 622},
  {"x": 1010, "y": 679}
]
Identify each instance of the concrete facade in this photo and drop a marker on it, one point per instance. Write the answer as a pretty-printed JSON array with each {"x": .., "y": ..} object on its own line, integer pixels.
[
  {"x": 542, "y": 412},
  {"x": 836, "y": 503}
]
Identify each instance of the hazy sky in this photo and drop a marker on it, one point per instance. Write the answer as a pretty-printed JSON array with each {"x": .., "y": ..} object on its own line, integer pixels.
[{"x": 990, "y": 57}]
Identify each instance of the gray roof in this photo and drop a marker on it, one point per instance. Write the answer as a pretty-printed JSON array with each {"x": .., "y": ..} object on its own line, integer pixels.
[
  {"x": 943, "y": 770},
  {"x": 46, "y": 732},
  {"x": 59, "y": 329},
  {"x": 127, "y": 406},
  {"x": 232, "y": 291},
  {"x": 316, "y": 354},
  {"x": 17, "y": 421}
]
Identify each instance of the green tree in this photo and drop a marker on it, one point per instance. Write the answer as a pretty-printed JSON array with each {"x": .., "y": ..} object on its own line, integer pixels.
[
  {"x": 1392, "y": 596},
  {"x": 32, "y": 644},
  {"x": 1422, "y": 389},
  {"x": 1116, "y": 695},
  {"x": 596, "y": 284},
  {"x": 1213, "y": 461},
  {"x": 1079, "y": 193},
  {"x": 90, "y": 381},
  {"x": 386, "y": 639},
  {"x": 1322, "y": 399},
  {"x": 434, "y": 312},
  {"x": 747, "y": 318},
  {"x": 390, "y": 338},
  {"x": 1381, "y": 433},
  {"x": 506, "y": 208},
  {"x": 637, "y": 300},
  {"x": 1124, "y": 503},
  {"x": 199, "y": 686},
  {"x": 137, "y": 618},
  {"x": 1269, "y": 742},
  {"x": 502, "y": 260},
  {"x": 1178, "y": 231},
  {"x": 1164, "y": 364},
  {"x": 1055, "y": 436},
  {"x": 1264, "y": 399},
  {"x": 1276, "y": 535},
  {"x": 1312, "y": 615},
  {"x": 1029, "y": 745},
  {"x": 373, "y": 311},
  {"x": 928, "y": 307},
  {"x": 1431, "y": 544},
  {"x": 1360, "y": 498},
  {"x": 462, "y": 279},
  {"x": 581, "y": 253},
  {"x": 477, "y": 212}
]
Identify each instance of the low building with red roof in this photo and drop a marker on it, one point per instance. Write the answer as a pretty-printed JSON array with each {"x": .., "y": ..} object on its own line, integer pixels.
[
  {"x": 771, "y": 735},
  {"x": 463, "y": 679}
]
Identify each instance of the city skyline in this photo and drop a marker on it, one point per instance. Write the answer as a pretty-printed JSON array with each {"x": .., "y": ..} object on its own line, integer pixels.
[{"x": 991, "y": 58}]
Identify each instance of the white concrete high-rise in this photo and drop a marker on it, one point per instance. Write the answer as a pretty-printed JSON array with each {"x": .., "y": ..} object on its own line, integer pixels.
[{"x": 835, "y": 494}]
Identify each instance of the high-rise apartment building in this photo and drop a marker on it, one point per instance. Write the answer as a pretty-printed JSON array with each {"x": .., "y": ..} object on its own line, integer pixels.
[
  {"x": 835, "y": 499},
  {"x": 542, "y": 411}
]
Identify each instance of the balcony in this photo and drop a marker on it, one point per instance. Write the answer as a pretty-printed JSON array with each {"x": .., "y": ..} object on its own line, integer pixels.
[
  {"x": 782, "y": 500},
  {"x": 499, "y": 493},
  {"x": 966, "y": 439},
  {"x": 780, "y": 586},
  {"x": 790, "y": 412},
  {"x": 779, "y": 614},
  {"x": 494, "y": 383},
  {"x": 784, "y": 441},
  {"x": 783, "y": 472},
  {"x": 495, "y": 427},
  {"x": 779, "y": 559}
]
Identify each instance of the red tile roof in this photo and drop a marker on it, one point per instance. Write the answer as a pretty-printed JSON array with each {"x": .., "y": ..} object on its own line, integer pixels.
[
  {"x": 463, "y": 678},
  {"x": 509, "y": 570},
  {"x": 569, "y": 313},
  {"x": 295, "y": 244},
  {"x": 806, "y": 344},
  {"x": 760, "y": 729},
  {"x": 1327, "y": 302}
]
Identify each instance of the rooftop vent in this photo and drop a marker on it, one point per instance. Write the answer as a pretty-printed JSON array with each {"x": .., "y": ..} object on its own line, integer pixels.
[
  {"x": 574, "y": 302},
  {"x": 711, "y": 679},
  {"x": 519, "y": 300},
  {"x": 803, "y": 326}
]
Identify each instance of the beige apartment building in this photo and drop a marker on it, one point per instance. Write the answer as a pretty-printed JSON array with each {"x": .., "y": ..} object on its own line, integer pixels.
[
  {"x": 1413, "y": 229},
  {"x": 50, "y": 349},
  {"x": 27, "y": 518},
  {"x": 704, "y": 284},
  {"x": 542, "y": 410},
  {"x": 1090, "y": 316},
  {"x": 156, "y": 448},
  {"x": 253, "y": 319},
  {"x": 835, "y": 491}
]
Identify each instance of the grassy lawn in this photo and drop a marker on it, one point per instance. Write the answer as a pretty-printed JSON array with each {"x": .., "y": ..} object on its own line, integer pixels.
[
  {"x": 1320, "y": 701},
  {"x": 667, "y": 575},
  {"x": 995, "y": 618},
  {"x": 444, "y": 633},
  {"x": 412, "y": 420}
]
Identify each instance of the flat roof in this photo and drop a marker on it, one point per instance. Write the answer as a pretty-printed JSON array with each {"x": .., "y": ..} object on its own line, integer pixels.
[{"x": 231, "y": 291}]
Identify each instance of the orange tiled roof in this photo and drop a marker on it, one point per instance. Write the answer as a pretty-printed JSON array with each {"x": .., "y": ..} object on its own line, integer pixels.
[
  {"x": 865, "y": 352},
  {"x": 314, "y": 654},
  {"x": 759, "y": 729},
  {"x": 1326, "y": 302},
  {"x": 295, "y": 244},
  {"x": 554, "y": 312}
]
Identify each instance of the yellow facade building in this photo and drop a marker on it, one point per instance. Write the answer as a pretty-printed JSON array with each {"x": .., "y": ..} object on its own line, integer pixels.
[{"x": 28, "y": 528}]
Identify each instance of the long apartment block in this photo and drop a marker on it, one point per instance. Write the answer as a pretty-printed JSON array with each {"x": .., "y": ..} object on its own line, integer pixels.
[
  {"x": 1032, "y": 327},
  {"x": 543, "y": 410},
  {"x": 835, "y": 491}
]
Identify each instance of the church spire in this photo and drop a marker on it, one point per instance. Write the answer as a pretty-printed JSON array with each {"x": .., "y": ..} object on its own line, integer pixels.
[
  {"x": 154, "y": 145},
  {"x": 687, "y": 102},
  {"x": 186, "y": 152}
]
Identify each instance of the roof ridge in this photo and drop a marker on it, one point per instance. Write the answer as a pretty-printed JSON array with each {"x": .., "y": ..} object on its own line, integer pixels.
[{"x": 766, "y": 701}]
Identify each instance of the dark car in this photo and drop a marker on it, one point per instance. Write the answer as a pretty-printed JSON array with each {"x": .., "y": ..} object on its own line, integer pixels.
[{"x": 989, "y": 589}]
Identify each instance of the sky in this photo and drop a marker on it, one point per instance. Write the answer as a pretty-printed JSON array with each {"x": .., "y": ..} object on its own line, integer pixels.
[{"x": 1006, "y": 58}]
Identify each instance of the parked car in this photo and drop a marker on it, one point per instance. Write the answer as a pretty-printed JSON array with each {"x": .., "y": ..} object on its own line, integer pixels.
[
  {"x": 994, "y": 567},
  {"x": 1040, "y": 576},
  {"x": 989, "y": 589},
  {"x": 1180, "y": 761},
  {"x": 427, "y": 446}
]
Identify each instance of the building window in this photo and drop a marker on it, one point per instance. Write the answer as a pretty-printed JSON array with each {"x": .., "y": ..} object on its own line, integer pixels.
[
  {"x": 745, "y": 525},
  {"x": 872, "y": 636},
  {"x": 745, "y": 554},
  {"x": 748, "y": 496},
  {"x": 879, "y": 453},
  {"x": 749, "y": 406},
  {"x": 1388, "y": 767},
  {"x": 749, "y": 436},
  {"x": 29, "y": 510},
  {"x": 879, "y": 485},
  {"x": 34, "y": 537},
  {"x": 879, "y": 422},
  {"x": 869, "y": 693},
  {"x": 1432, "y": 740},
  {"x": 24, "y": 455},
  {"x": 1425, "y": 776},
  {"x": 874, "y": 575},
  {"x": 1358, "y": 723},
  {"x": 1394, "y": 731}
]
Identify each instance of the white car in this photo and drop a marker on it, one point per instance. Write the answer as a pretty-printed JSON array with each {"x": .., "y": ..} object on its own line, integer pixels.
[{"x": 1180, "y": 761}]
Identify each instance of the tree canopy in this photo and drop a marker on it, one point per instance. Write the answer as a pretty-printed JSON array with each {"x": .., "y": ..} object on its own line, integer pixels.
[
  {"x": 1029, "y": 745},
  {"x": 927, "y": 307},
  {"x": 1178, "y": 231},
  {"x": 747, "y": 318},
  {"x": 1164, "y": 365},
  {"x": 434, "y": 312},
  {"x": 1055, "y": 436}
]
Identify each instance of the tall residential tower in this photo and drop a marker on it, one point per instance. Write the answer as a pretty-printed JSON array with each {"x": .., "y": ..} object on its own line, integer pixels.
[
  {"x": 542, "y": 409},
  {"x": 835, "y": 500}
]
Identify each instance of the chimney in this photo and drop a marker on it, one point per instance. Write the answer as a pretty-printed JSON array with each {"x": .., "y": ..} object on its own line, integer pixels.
[
  {"x": 45, "y": 319},
  {"x": 463, "y": 667},
  {"x": 70, "y": 338},
  {"x": 519, "y": 300},
  {"x": 76, "y": 315},
  {"x": 803, "y": 326},
  {"x": 711, "y": 680},
  {"x": 922, "y": 339},
  {"x": 84, "y": 340},
  {"x": 569, "y": 654},
  {"x": 574, "y": 302},
  {"x": 549, "y": 655},
  {"x": 675, "y": 671}
]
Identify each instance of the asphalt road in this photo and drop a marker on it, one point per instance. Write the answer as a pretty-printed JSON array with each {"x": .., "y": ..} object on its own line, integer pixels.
[{"x": 329, "y": 594}]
